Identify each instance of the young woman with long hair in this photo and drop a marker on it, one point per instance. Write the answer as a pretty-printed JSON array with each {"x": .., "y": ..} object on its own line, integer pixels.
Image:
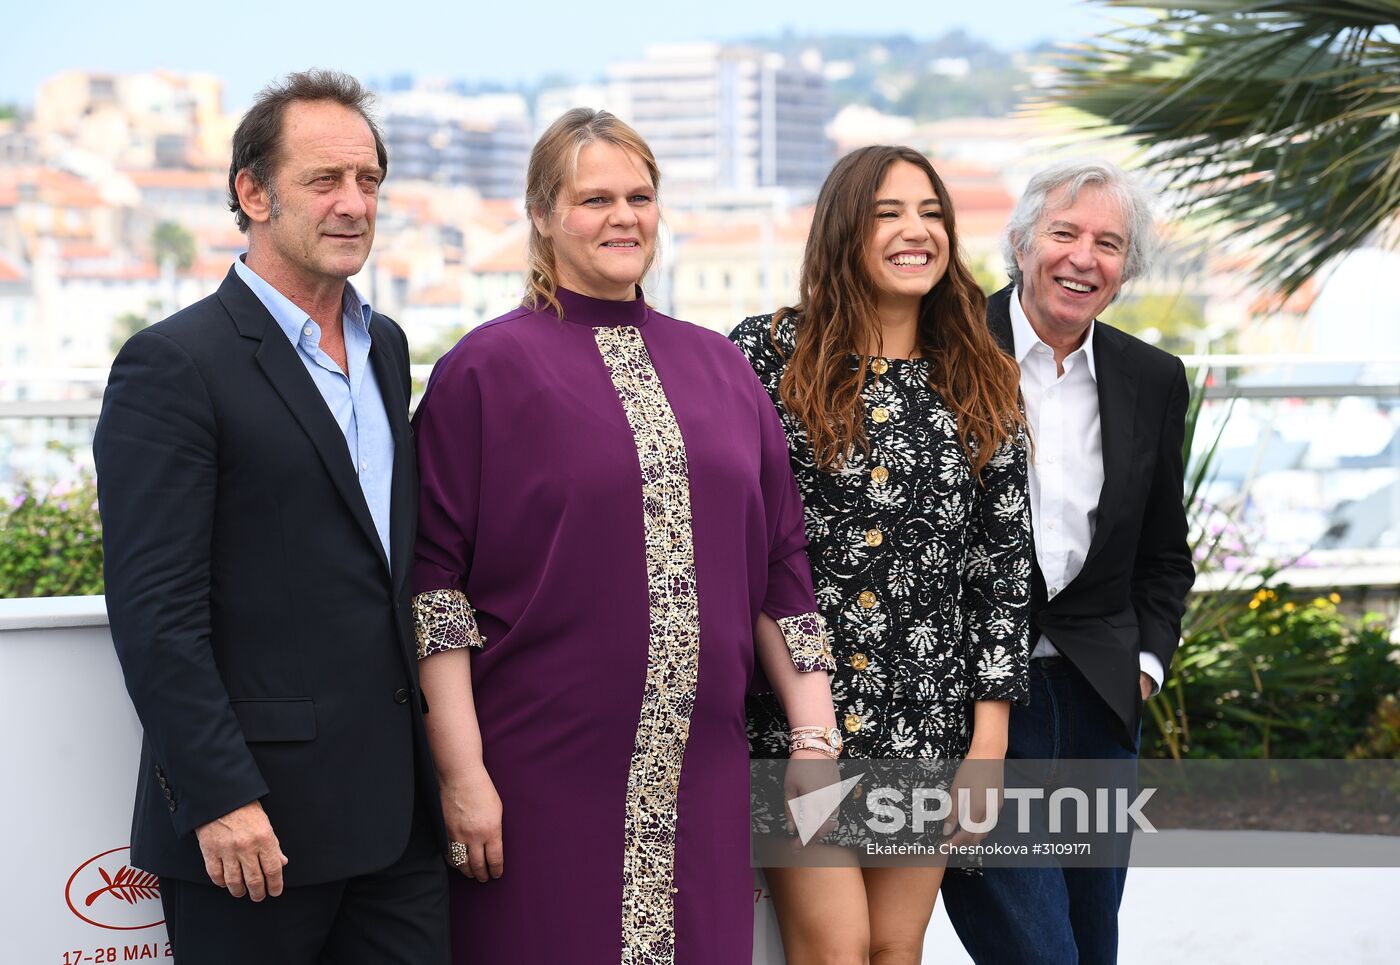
[{"x": 908, "y": 443}]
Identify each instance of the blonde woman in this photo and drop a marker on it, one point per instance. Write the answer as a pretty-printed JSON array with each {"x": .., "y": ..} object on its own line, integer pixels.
[{"x": 608, "y": 524}]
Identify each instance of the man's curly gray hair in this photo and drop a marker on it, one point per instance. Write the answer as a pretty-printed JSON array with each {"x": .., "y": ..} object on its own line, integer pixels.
[{"x": 1142, "y": 241}]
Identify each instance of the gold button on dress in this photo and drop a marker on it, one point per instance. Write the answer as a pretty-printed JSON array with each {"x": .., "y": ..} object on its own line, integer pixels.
[{"x": 921, "y": 565}]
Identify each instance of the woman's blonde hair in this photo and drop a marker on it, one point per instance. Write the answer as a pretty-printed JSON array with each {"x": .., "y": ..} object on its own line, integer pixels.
[{"x": 553, "y": 166}]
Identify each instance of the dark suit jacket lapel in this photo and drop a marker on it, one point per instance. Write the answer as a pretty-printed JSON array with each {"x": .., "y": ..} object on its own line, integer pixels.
[
  {"x": 402, "y": 499},
  {"x": 1117, "y": 391},
  {"x": 279, "y": 362},
  {"x": 1117, "y": 386},
  {"x": 999, "y": 320}
]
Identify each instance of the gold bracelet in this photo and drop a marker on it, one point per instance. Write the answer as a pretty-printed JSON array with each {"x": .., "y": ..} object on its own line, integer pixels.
[
  {"x": 821, "y": 747},
  {"x": 828, "y": 740}
]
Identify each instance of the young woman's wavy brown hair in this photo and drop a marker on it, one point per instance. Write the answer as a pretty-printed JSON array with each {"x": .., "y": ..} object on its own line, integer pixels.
[{"x": 836, "y": 320}]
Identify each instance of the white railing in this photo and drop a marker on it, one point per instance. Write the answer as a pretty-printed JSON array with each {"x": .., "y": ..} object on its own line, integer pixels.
[
  {"x": 62, "y": 405},
  {"x": 1384, "y": 384}
]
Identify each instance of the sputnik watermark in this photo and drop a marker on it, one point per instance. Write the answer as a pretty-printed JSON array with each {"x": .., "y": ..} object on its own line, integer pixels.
[
  {"x": 813, "y": 809},
  {"x": 934, "y": 806},
  {"x": 1075, "y": 813}
]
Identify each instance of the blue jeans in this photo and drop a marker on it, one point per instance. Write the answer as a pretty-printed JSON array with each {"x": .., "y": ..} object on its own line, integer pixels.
[{"x": 1052, "y": 915}]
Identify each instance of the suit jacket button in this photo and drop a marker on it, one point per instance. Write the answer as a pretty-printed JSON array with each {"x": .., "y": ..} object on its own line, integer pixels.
[{"x": 401, "y": 695}]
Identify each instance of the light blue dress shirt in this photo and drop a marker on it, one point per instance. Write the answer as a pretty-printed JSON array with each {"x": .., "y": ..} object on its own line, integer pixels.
[{"x": 354, "y": 399}]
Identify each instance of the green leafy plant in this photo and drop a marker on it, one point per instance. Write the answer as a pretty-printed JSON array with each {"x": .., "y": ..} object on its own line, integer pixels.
[
  {"x": 1381, "y": 742},
  {"x": 1216, "y": 542},
  {"x": 1272, "y": 119},
  {"x": 1283, "y": 675},
  {"x": 1261, "y": 672},
  {"x": 51, "y": 543},
  {"x": 1377, "y": 786},
  {"x": 173, "y": 241}
]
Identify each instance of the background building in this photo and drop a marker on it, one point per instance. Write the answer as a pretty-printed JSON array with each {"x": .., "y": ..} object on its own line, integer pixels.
[
  {"x": 155, "y": 119},
  {"x": 725, "y": 118},
  {"x": 482, "y": 141}
]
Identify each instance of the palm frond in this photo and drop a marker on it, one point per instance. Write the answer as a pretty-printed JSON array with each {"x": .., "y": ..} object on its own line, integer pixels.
[{"x": 1276, "y": 122}]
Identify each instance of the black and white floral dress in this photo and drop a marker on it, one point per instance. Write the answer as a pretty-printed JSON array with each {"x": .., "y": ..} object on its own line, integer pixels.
[{"x": 922, "y": 573}]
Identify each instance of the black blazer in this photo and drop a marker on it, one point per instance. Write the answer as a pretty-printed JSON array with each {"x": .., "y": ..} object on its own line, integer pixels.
[
  {"x": 1131, "y": 593},
  {"x": 267, "y": 650}
]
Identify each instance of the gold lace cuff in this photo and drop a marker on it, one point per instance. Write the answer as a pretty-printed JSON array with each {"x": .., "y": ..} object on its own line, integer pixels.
[
  {"x": 444, "y": 620},
  {"x": 808, "y": 642}
]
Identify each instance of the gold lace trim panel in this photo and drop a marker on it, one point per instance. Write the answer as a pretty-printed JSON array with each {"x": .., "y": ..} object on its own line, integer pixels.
[
  {"x": 444, "y": 620},
  {"x": 808, "y": 642},
  {"x": 673, "y": 653}
]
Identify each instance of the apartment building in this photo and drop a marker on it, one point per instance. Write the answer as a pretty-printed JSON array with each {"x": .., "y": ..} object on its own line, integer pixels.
[
  {"x": 726, "y": 118},
  {"x": 482, "y": 142}
]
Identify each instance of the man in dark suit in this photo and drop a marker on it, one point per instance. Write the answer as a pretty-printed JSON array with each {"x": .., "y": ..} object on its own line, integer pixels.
[
  {"x": 1112, "y": 563},
  {"x": 258, "y": 493}
]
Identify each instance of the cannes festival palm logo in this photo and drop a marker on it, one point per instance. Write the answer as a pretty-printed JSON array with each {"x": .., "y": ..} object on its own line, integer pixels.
[{"x": 108, "y": 892}]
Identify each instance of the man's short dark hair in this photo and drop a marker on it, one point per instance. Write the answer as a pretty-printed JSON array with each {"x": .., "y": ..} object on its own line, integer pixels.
[{"x": 258, "y": 140}]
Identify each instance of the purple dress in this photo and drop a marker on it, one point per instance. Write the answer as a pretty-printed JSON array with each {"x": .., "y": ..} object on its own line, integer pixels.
[{"x": 607, "y": 504}]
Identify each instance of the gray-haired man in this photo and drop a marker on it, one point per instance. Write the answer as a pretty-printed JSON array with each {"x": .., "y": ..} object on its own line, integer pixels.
[{"x": 1113, "y": 567}]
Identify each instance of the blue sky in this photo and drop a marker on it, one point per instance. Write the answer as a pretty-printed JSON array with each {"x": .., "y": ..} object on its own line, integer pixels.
[{"x": 247, "y": 43}]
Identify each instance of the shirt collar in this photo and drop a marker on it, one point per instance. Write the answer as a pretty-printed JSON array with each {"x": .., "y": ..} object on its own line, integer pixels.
[
  {"x": 1024, "y": 338},
  {"x": 596, "y": 312},
  {"x": 285, "y": 312}
]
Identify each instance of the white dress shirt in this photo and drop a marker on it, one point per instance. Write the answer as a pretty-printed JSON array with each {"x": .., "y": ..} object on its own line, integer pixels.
[{"x": 1066, "y": 469}]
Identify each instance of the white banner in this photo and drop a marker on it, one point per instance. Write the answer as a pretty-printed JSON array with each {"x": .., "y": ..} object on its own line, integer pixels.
[{"x": 68, "y": 893}]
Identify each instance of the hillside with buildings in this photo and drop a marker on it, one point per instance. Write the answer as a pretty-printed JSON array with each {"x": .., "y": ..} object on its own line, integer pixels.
[
  {"x": 113, "y": 214},
  {"x": 113, "y": 210}
]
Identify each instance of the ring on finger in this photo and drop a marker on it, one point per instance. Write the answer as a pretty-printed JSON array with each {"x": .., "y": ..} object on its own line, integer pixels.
[{"x": 458, "y": 853}]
